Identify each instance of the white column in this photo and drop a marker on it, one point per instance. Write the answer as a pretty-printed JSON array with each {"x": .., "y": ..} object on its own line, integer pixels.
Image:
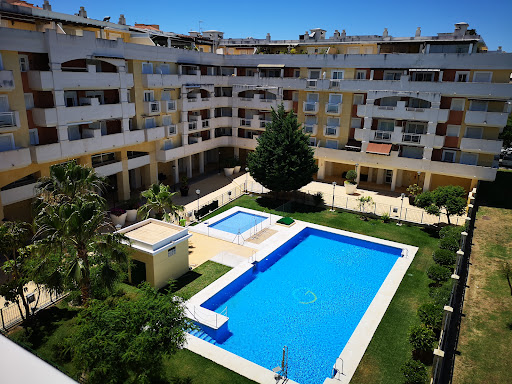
[
  {"x": 176, "y": 172},
  {"x": 399, "y": 175},
  {"x": 321, "y": 170},
  {"x": 393, "y": 179},
  {"x": 370, "y": 174},
  {"x": 380, "y": 176},
  {"x": 358, "y": 171},
  {"x": 62, "y": 133},
  {"x": 426, "y": 181},
  {"x": 201, "y": 162},
  {"x": 189, "y": 166},
  {"x": 125, "y": 125},
  {"x": 236, "y": 152}
]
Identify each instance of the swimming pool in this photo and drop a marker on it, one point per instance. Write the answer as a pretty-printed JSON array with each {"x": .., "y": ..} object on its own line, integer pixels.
[
  {"x": 238, "y": 222},
  {"x": 309, "y": 294}
]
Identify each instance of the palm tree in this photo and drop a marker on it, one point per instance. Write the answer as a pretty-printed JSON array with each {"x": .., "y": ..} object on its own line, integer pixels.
[
  {"x": 159, "y": 201},
  {"x": 13, "y": 238}
]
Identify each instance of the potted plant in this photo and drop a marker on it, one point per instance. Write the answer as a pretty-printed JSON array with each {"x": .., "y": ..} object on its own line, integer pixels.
[
  {"x": 132, "y": 206},
  {"x": 229, "y": 166},
  {"x": 118, "y": 216},
  {"x": 184, "y": 186},
  {"x": 238, "y": 165},
  {"x": 350, "y": 182},
  {"x": 413, "y": 190}
]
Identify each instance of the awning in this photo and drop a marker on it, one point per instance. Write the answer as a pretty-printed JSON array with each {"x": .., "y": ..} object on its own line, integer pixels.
[
  {"x": 379, "y": 149},
  {"x": 424, "y": 70},
  {"x": 270, "y": 65}
]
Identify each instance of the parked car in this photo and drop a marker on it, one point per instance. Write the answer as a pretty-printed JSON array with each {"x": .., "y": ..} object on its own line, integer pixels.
[{"x": 506, "y": 161}]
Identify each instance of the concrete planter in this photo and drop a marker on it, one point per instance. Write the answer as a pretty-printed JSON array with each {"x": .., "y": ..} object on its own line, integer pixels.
[
  {"x": 237, "y": 169},
  {"x": 229, "y": 171},
  {"x": 131, "y": 215},
  {"x": 350, "y": 189},
  {"x": 119, "y": 220}
]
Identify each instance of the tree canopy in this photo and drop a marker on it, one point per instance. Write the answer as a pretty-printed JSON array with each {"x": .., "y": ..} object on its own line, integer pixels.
[
  {"x": 159, "y": 201},
  {"x": 123, "y": 340},
  {"x": 283, "y": 159},
  {"x": 450, "y": 198},
  {"x": 506, "y": 135}
]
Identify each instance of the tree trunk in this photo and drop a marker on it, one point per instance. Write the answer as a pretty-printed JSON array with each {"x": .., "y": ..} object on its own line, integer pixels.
[{"x": 85, "y": 282}]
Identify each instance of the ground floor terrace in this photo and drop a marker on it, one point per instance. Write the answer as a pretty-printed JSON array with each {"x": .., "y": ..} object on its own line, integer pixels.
[{"x": 132, "y": 169}]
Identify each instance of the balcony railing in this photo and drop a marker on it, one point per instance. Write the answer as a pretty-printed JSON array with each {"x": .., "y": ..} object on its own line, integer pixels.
[
  {"x": 310, "y": 129},
  {"x": 245, "y": 122},
  {"x": 334, "y": 83},
  {"x": 411, "y": 138},
  {"x": 151, "y": 107},
  {"x": 169, "y": 105},
  {"x": 387, "y": 107},
  {"x": 382, "y": 135},
  {"x": 7, "y": 119},
  {"x": 331, "y": 131},
  {"x": 332, "y": 108},
  {"x": 311, "y": 83},
  {"x": 311, "y": 107}
]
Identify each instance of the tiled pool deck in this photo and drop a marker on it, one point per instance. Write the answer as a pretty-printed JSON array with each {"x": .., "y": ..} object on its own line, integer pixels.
[{"x": 362, "y": 335}]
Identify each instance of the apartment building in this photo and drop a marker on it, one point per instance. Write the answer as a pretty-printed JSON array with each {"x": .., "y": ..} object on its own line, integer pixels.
[{"x": 140, "y": 105}]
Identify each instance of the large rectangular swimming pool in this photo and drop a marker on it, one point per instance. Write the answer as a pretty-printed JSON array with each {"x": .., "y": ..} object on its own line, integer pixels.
[
  {"x": 309, "y": 294},
  {"x": 238, "y": 222}
]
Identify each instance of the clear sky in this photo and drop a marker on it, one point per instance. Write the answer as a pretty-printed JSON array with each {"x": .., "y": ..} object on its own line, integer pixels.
[{"x": 288, "y": 19}]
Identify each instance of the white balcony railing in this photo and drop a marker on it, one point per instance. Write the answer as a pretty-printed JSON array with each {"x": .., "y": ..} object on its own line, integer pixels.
[
  {"x": 311, "y": 83},
  {"x": 496, "y": 119},
  {"x": 334, "y": 83},
  {"x": 7, "y": 120},
  {"x": 310, "y": 129},
  {"x": 192, "y": 125},
  {"x": 311, "y": 107},
  {"x": 382, "y": 135},
  {"x": 411, "y": 138},
  {"x": 332, "y": 108}
]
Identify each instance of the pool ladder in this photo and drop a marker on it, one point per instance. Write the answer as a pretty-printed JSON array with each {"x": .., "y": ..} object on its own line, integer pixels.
[{"x": 336, "y": 373}]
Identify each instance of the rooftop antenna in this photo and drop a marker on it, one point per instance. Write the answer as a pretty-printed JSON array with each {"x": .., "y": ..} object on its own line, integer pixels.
[{"x": 200, "y": 29}]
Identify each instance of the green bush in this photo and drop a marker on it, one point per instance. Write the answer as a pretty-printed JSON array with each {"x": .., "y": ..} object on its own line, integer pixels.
[
  {"x": 438, "y": 273},
  {"x": 318, "y": 199},
  {"x": 450, "y": 231},
  {"x": 431, "y": 315},
  {"x": 450, "y": 243},
  {"x": 422, "y": 338},
  {"x": 441, "y": 295},
  {"x": 385, "y": 217},
  {"x": 444, "y": 257},
  {"x": 414, "y": 372},
  {"x": 351, "y": 176}
]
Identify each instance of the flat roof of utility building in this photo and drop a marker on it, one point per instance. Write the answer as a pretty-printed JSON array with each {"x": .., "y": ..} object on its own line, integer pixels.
[{"x": 151, "y": 232}]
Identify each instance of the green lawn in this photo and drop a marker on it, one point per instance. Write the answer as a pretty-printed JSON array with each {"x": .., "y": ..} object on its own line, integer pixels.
[
  {"x": 53, "y": 325},
  {"x": 389, "y": 347}
]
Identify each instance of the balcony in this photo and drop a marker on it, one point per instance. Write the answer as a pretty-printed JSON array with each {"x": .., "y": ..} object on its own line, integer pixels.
[
  {"x": 15, "y": 158},
  {"x": 45, "y": 153},
  {"x": 9, "y": 121},
  {"x": 331, "y": 131},
  {"x": 19, "y": 193},
  {"x": 492, "y": 119},
  {"x": 401, "y": 112},
  {"x": 6, "y": 81},
  {"x": 310, "y": 129},
  {"x": 151, "y": 108},
  {"x": 413, "y": 138},
  {"x": 48, "y": 117},
  {"x": 47, "y": 80},
  {"x": 134, "y": 137},
  {"x": 245, "y": 122},
  {"x": 310, "y": 107},
  {"x": 221, "y": 122},
  {"x": 93, "y": 144},
  {"x": 334, "y": 83},
  {"x": 168, "y": 106},
  {"x": 333, "y": 109},
  {"x": 261, "y": 104},
  {"x": 311, "y": 83},
  {"x": 155, "y": 133},
  {"x": 481, "y": 145}
]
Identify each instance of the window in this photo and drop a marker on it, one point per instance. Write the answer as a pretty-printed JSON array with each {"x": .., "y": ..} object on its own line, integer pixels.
[
  {"x": 149, "y": 122},
  {"x": 457, "y": 105},
  {"x": 166, "y": 120},
  {"x": 453, "y": 130},
  {"x": 448, "y": 156},
  {"x": 423, "y": 76},
  {"x": 29, "y": 101},
  {"x": 361, "y": 75},
  {"x": 6, "y": 142},
  {"x": 337, "y": 75},
  {"x": 312, "y": 97},
  {"x": 74, "y": 132},
  {"x": 386, "y": 125},
  {"x": 128, "y": 97},
  {"x": 314, "y": 74},
  {"x": 368, "y": 50},
  {"x": 412, "y": 152},
  {"x": 392, "y": 75},
  {"x": 70, "y": 98},
  {"x": 24, "y": 67},
  {"x": 355, "y": 122},
  {"x": 4, "y": 103},
  {"x": 461, "y": 76},
  {"x": 171, "y": 251},
  {"x": 149, "y": 95},
  {"x": 468, "y": 158},
  {"x": 482, "y": 77},
  {"x": 333, "y": 144},
  {"x": 389, "y": 101},
  {"x": 34, "y": 136},
  {"x": 353, "y": 50},
  {"x": 311, "y": 120},
  {"x": 418, "y": 103},
  {"x": 166, "y": 95},
  {"x": 474, "y": 132},
  {"x": 358, "y": 100},
  {"x": 96, "y": 94},
  {"x": 312, "y": 141},
  {"x": 417, "y": 128},
  {"x": 164, "y": 69},
  {"x": 478, "y": 105},
  {"x": 333, "y": 121},
  {"x": 147, "y": 68},
  {"x": 335, "y": 98},
  {"x": 296, "y": 73}
]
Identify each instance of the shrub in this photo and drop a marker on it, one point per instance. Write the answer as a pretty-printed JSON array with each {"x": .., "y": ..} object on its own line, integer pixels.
[
  {"x": 441, "y": 295},
  {"x": 351, "y": 176},
  {"x": 385, "y": 217},
  {"x": 318, "y": 199},
  {"x": 444, "y": 257},
  {"x": 414, "y": 372},
  {"x": 431, "y": 315},
  {"x": 450, "y": 243},
  {"x": 414, "y": 189},
  {"x": 451, "y": 231},
  {"x": 422, "y": 338},
  {"x": 438, "y": 273}
]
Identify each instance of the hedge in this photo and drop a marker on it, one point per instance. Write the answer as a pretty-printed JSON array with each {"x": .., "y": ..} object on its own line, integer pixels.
[{"x": 444, "y": 257}]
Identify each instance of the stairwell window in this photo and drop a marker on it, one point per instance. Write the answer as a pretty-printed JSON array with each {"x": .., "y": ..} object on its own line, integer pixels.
[
  {"x": 29, "y": 101},
  {"x": 149, "y": 122},
  {"x": 33, "y": 136},
  {"x": 6, "y": 142},
  {"x": 147, "y": 68}
]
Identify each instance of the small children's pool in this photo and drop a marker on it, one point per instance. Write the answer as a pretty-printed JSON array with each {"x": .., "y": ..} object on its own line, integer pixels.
[
  {"x": 238, "y": 222},
  {"x": 309, "y": 294}
]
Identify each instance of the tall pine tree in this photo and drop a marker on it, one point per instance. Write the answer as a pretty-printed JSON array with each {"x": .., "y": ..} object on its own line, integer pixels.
[{"x": 283, "y": 159}]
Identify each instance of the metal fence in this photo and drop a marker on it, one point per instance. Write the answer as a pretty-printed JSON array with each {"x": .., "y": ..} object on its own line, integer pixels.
[
  {"x": 350, "y": 203},
  {"x": 202, "y": 209},
  {"x": 41, "y": 298}
]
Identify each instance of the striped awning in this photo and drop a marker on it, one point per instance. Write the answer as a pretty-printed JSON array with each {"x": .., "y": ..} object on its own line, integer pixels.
[{"x": 379, "y": 149}]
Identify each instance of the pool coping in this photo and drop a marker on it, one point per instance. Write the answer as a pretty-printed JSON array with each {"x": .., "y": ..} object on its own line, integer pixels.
[{"x": 356, "y": 346}]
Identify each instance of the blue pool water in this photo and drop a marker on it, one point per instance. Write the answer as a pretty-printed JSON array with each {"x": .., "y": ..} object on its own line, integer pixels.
[
  {"x": 309, "y": 295},
  {"x": 238, "y": 222}
]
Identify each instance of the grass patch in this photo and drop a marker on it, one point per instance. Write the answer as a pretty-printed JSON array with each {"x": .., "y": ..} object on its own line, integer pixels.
[{"x": 389, "y": 348}]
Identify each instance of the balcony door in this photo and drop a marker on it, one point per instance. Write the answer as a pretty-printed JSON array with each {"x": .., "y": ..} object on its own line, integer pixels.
[
  {"x": 70, "y": 98},
  {"x": 4, "y": 104}
]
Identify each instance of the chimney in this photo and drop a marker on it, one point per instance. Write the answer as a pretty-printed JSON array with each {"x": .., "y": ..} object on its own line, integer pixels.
[
  {"x": 268, "y": 36},
  {"x": 343, "y": 34},
  {"x": 82, "y": 12},
  {"x": 336, "y": 34},
  {"x": 385, "y": 33},
  {"x": 460, "y": 29},
  {"x": 418, "y": 32},
  {"x": 500, "y": 48},
  {"x": 47, "y": 6},
  {"x": 122, "y": 20}
]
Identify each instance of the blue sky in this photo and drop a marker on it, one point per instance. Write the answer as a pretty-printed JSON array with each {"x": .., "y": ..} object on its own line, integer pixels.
[{"x": 288, "y": 19}]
